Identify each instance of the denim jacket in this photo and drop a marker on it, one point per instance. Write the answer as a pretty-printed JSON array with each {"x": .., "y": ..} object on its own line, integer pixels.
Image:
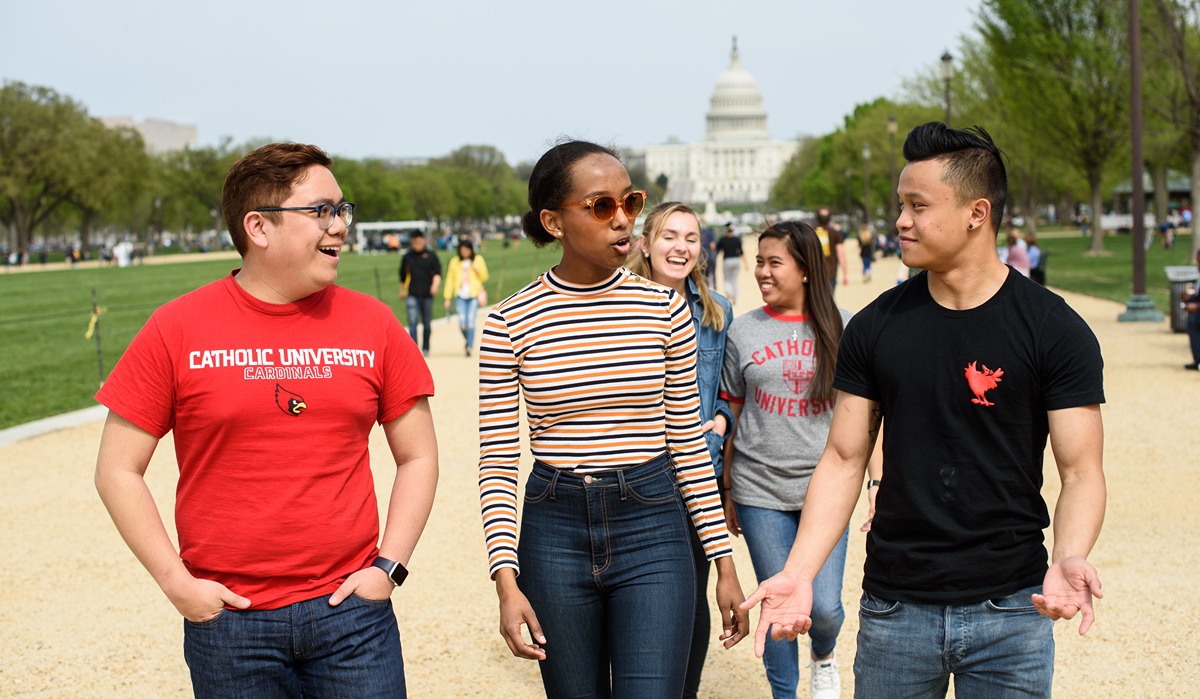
[{"x": 710, "y": 345}]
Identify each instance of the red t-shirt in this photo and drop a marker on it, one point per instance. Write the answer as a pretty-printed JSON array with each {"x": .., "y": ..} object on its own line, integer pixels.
[{"x": 271, "y": 406}]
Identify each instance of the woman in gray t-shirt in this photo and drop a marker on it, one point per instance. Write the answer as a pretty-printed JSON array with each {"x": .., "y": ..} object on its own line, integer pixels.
[{"x": 778, "y": 379}]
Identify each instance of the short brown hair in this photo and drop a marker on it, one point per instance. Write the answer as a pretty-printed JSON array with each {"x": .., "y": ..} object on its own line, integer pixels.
[{"x": 264, "y": 177}]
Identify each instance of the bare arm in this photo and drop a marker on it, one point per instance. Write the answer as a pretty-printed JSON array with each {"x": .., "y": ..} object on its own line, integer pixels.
[
  {"x": 125, "y": 451},
  {"x": 1077, "y": 439},
  {"x": 414, "y": 447}
]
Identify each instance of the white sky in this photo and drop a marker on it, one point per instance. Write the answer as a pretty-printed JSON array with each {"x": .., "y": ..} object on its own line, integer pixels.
[{"x": 421, "y": 77}]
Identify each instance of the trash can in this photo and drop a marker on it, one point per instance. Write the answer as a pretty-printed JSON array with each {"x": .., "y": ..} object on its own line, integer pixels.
[{"x": 1181, "y": 278}]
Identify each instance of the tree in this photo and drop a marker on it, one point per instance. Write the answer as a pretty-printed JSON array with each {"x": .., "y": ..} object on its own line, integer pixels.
[
  {"x": 1061, "y": 69},
  {"x": 42, "y": 135},
  {"x": 1177, "y": 43},
  {"x": 193, "y": 179},
  {"x": 110, "y": 174},
  {"x": 470, "y": 165}
]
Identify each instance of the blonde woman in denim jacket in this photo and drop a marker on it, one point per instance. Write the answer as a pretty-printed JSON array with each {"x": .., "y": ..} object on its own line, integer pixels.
[{"x": 670, "y": 254}]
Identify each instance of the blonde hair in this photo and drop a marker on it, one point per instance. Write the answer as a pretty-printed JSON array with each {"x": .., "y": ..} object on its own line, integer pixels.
[{"x": 713, "y": 315}]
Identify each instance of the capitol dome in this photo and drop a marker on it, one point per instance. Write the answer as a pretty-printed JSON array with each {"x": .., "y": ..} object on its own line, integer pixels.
[{"x": 736, "y": 108}]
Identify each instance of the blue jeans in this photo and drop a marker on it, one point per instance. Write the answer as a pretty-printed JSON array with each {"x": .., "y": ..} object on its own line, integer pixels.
[
  {"x": 420, "y": 307},
  {"x": 996, "y": 648},
  {"x": 606, "y": 563},
  {"x": 304, "y": 649},
  {"x": 701, "y": 622},
  {"x": 769, "y": 536},
  {"x": 467, "y": 310}
]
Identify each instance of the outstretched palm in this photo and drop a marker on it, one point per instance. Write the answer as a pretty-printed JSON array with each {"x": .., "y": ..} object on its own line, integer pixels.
[
  {"x": 786, "y": 604},
  {"x": 1067, "y": 590}
]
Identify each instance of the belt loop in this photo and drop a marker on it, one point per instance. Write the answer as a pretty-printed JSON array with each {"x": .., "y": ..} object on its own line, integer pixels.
[
  {"x": 621, "y": 481},
  {"x": 554, "y": 482}
]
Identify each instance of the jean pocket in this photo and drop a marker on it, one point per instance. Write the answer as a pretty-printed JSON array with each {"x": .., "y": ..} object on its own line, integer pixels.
[
  {"x": 371, "y": 602},
  {"x": 205, "y": 624},
  {"x": 878, "y": 607},
  {"x": 1020, "y": 602},
  {"x": 536, "y": 490},
  {"x": 653, "y": 490}
]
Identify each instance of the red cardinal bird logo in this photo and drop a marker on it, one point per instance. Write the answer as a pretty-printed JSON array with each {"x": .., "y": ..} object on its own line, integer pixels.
[
  {"x": 291, "y": 403},
  {"x": 981, "y": 382}
]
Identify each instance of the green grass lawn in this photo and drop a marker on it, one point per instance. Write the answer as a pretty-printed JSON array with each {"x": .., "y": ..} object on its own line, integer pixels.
[
  {"x": 50, "y": 368},
  {"x": 1109, "y": 276}
]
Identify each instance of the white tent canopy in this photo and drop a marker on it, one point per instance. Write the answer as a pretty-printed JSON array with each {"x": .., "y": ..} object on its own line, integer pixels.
[{"x": 363, "y": 230}]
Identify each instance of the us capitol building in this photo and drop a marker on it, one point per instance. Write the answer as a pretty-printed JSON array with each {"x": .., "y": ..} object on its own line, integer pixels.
[{"x": 737, "y": 162}]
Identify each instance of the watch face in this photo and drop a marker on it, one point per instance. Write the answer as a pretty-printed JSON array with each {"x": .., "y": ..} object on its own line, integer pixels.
[{"x": 398, "y": 574}]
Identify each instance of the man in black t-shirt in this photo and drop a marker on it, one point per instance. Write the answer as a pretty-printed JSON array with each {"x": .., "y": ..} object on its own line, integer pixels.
[
  {"x": 972, "y": 366},
  {"x": 420, "y": 275}
]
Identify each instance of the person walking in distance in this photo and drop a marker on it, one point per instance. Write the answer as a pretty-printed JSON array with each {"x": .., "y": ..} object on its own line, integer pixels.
[
  {"x": 606, "y": 361},
  {"x": 832, "y": 246},
  {"x": 972, "y": 366},
  {"x": 420, "y": 276},
  {"x": 732, "y": 261},
  {"x": 277, "y": 521},
  {"x": 465, "y": 276}
]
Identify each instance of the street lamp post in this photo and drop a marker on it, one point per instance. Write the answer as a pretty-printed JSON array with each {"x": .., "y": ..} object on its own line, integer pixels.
[
  {"x": 892, "y": 213},
  {"x": 849, "y": 202},
  {"x": 947, "y": 76},
  {"x": 1139, "y": 307},
  {"x": 866, "y": 154}
]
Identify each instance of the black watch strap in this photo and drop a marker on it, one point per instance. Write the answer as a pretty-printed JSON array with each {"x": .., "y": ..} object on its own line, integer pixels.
[{"x": 394, "y": 569}]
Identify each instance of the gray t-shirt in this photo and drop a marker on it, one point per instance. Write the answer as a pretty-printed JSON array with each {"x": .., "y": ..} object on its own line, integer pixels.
[{"x": 769, "y": 364}]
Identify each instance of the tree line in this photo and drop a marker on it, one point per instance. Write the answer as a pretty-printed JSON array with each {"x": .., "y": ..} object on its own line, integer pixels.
[
  {"x": 64, "y": 175},
  {"x": 1050, "y": 80}
]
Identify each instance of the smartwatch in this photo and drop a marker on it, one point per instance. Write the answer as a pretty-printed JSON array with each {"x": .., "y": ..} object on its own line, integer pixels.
[{"x": 394, "y": 569}]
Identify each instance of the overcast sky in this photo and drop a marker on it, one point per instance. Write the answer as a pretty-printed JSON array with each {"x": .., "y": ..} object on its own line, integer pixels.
[{"x": 421, "y": 77}]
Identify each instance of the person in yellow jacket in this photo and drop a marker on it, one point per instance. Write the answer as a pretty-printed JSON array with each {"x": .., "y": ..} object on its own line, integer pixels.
[{"x": 465, "y": 276}]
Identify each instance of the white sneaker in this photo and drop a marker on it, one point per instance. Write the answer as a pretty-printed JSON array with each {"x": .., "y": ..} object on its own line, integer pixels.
[{"x": 824, "y": 681}]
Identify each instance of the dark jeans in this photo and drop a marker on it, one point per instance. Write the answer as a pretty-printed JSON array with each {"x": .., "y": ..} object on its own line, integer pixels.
[
  {"x": 1193, "y": 331},
  {"x": 606, "y": 563},
  {"x": 307, "y": 649},
  {"x": 701, "y": 622},
  {"x": 421, "y": 306}
]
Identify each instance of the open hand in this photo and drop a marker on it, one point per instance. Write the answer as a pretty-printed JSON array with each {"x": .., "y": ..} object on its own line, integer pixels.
[
  {"x": 1067, "y": 590},
  {"x": 786, "y": 605}
]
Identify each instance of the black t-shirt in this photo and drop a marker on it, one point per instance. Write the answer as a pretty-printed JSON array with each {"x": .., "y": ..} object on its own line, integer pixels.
[
  {"x": 964, "y": 395},
  {"x": 420, "y": 268},
  {"x": 729, "y": 246}
]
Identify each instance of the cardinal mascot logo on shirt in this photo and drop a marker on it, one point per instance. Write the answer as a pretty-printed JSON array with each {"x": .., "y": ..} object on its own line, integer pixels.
[
  {"x": 981, "y": 382},
  {"x": 291, "y": 403}
]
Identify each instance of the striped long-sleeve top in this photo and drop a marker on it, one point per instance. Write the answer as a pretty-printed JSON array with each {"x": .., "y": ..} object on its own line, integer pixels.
[{"x": 609, "y": 378}]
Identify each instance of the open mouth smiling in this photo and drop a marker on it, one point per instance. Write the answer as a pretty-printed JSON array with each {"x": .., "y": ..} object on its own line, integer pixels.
[{"x": 331, "y": 251}]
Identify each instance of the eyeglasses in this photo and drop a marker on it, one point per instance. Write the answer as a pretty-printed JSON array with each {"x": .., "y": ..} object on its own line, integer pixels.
[
  {"x": 325, "y": 212},
  {"x": 604, "y": 207}
]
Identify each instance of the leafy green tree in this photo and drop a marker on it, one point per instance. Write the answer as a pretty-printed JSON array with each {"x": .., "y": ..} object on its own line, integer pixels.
[
  {"x": 470, "y": 166},
  {"x": 1061, "y": 69},
  {"x": 42, "y": 135},
  {"x": 111, "y": 173},
  {"x": 193, "y": 178},
  {"x": 432, "y": 196}
]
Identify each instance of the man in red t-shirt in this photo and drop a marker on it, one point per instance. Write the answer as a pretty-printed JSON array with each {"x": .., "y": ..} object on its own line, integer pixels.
[{"x": 270, "y": 381}]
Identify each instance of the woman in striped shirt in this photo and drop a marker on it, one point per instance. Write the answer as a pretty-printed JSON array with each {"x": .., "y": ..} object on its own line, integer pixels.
[{"x": 606, "y": 361}]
